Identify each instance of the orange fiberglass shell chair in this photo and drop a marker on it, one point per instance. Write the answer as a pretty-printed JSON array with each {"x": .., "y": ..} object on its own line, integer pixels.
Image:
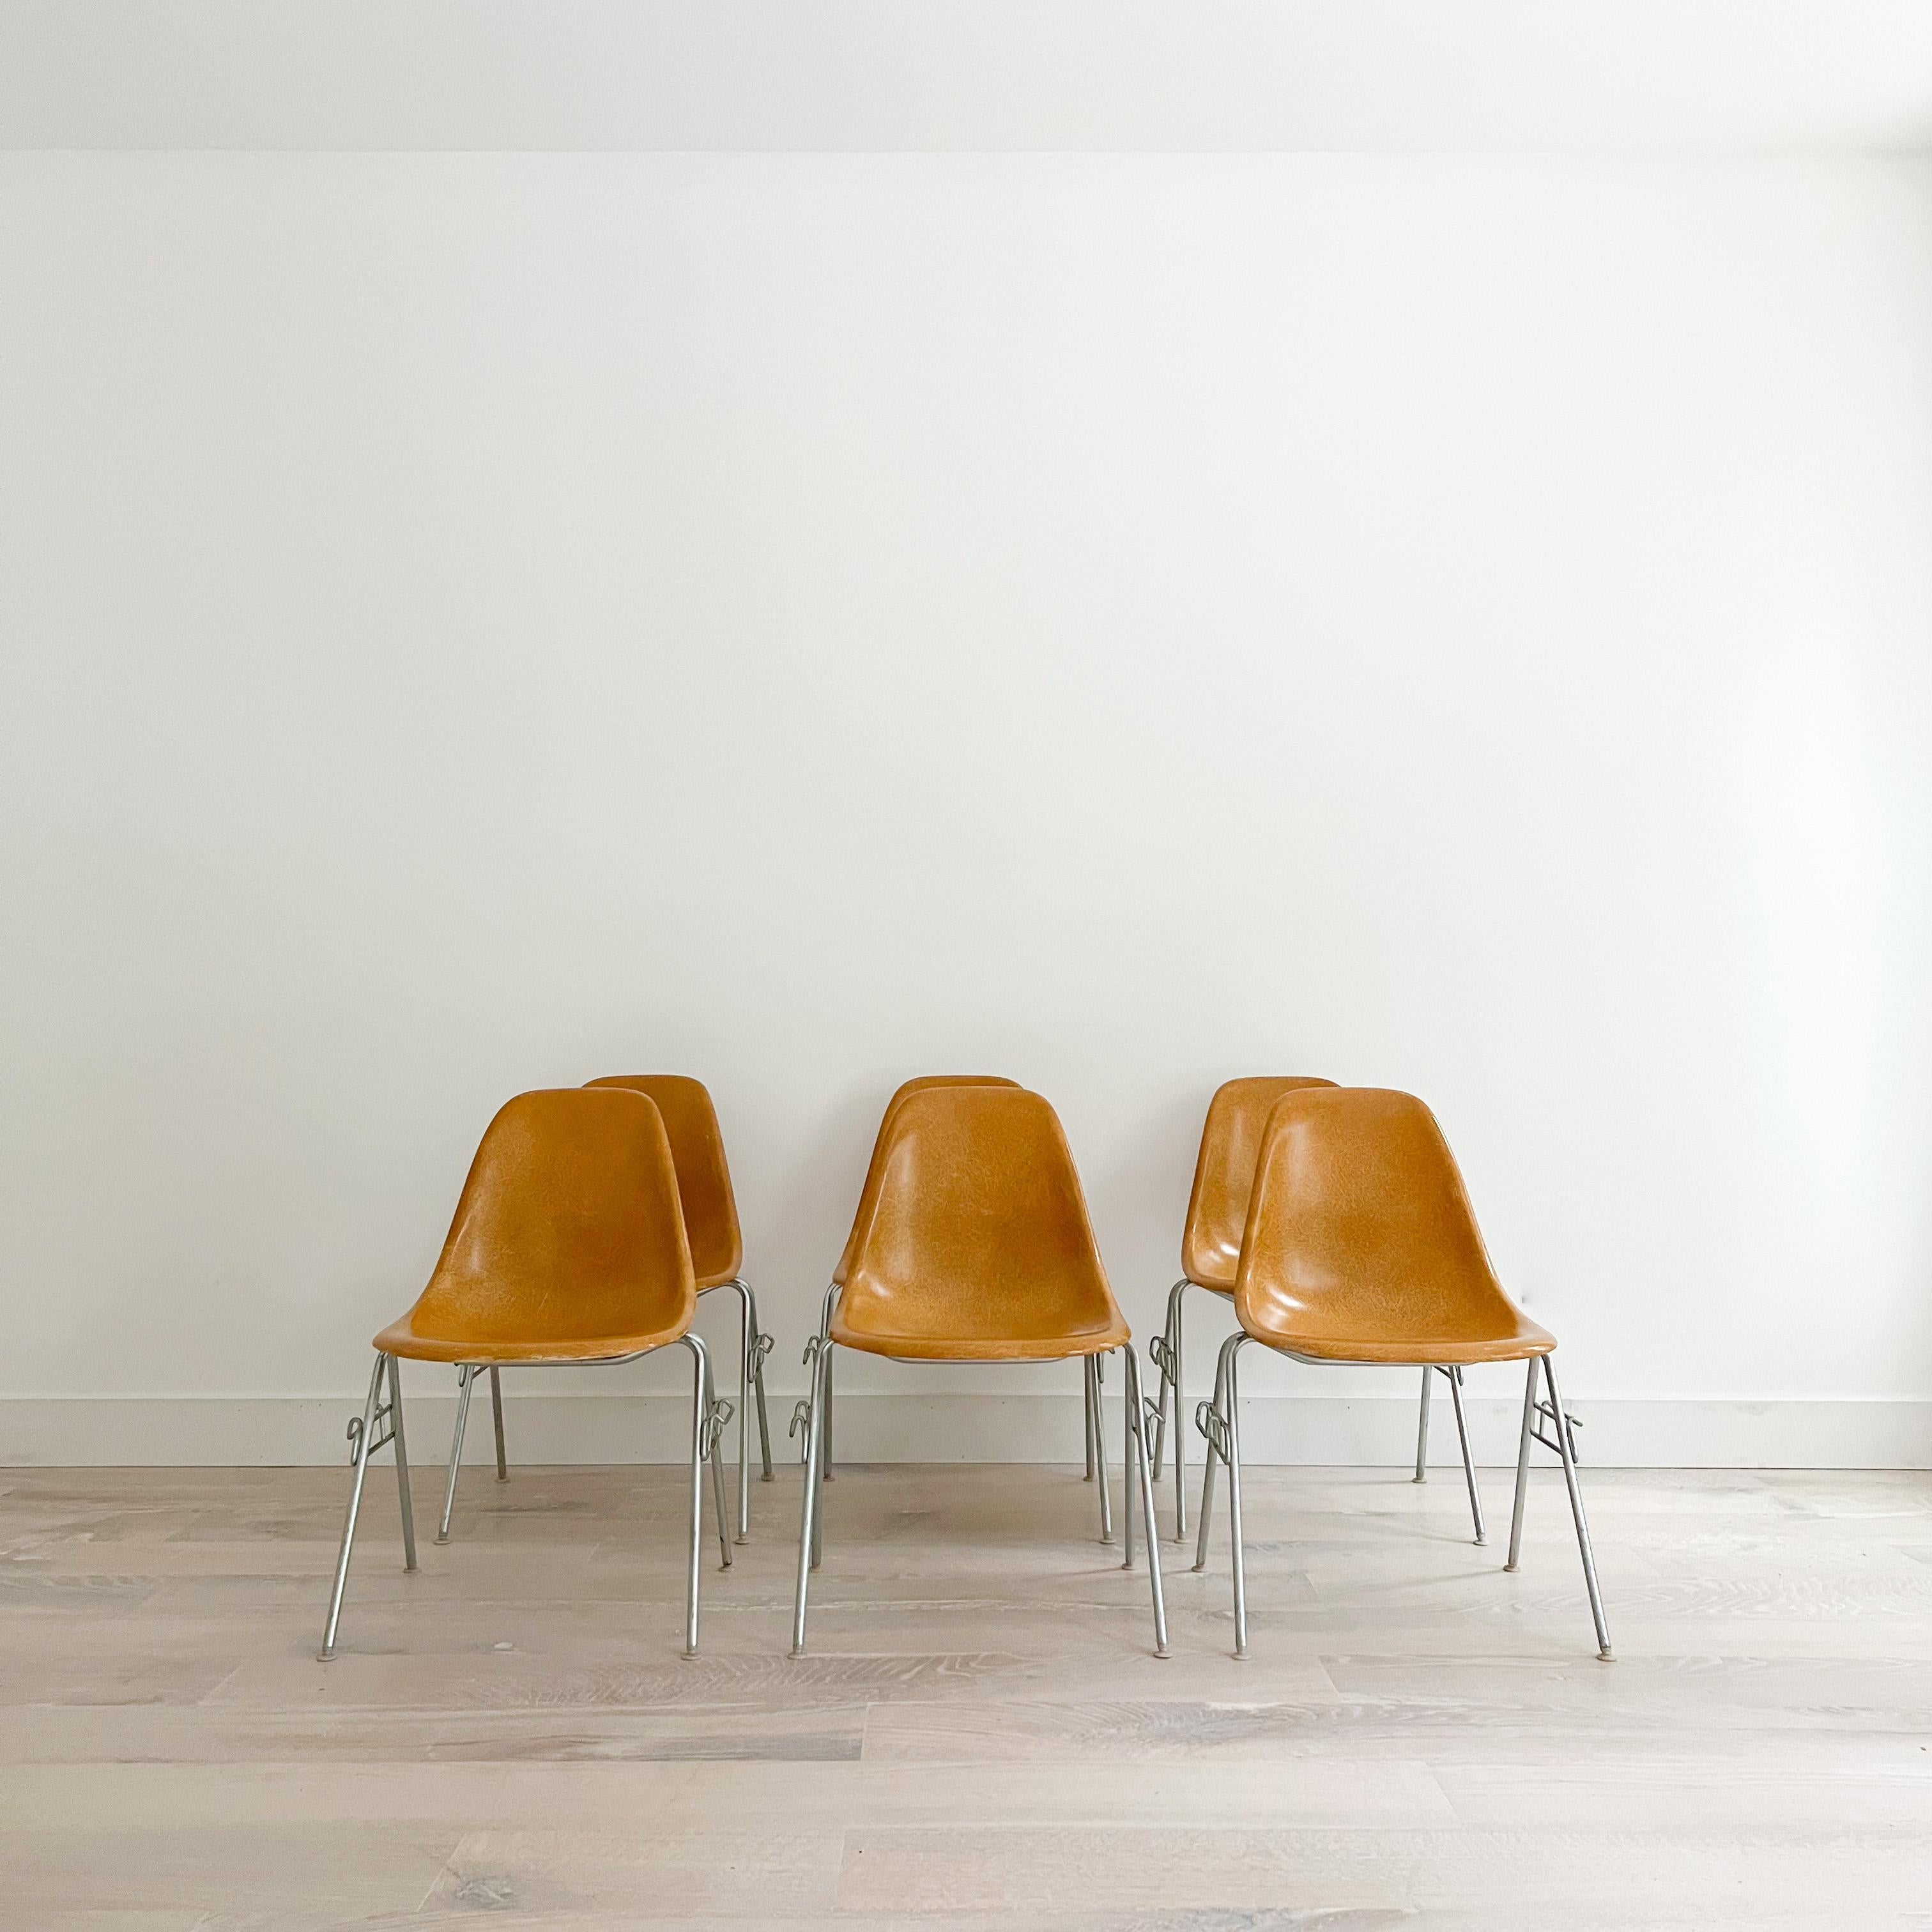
[
  {"x": 974, "y": 1245},
  {"x": 1361, "y": 1247},
  {"x": 1210, "y": 1254},
  {"x": 568, "y": 1249},
  {"x": 717, "y": 1248},
  {"x": 711, "y": 1228},
  {"x": 801, "y": 1420}
]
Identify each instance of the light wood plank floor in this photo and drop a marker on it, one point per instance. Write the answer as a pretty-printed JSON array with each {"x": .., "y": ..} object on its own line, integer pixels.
[{"x": 980, "y": 1738}]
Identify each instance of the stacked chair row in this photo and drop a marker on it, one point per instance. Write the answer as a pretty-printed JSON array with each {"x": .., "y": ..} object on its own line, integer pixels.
[
  {"x": 1333, "y": 1218},
  {"x": 592, "y": 1220}
]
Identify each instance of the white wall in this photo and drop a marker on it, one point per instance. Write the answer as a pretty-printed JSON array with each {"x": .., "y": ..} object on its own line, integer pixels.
[{"x": 474, "y": 623}]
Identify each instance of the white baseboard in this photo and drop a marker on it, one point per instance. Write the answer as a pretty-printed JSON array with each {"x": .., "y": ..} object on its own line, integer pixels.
[{"x": 244, "y": 1432}]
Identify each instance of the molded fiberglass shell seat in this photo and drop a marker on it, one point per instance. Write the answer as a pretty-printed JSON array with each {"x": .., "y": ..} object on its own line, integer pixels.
[
  {"x": 1361, "y": 1245},
  {"x": 972, "y": 1242},
  {"x": 568, "y": 1244}
]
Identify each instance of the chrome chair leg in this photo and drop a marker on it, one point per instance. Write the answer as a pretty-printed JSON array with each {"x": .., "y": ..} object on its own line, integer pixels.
[
  {"x": 822, "y": 1401},
  {"x": 809, "y": 1514},
  {"x": 1231, "y": 1416},
  {"x": 813, "y": 1408},
  {"x": 716, "y": 1415},
  {"x": 402, "y": 1464},
  {"x": 761, "y": 1347},
  {"x": 1180, "y": 1443},
  {"x": 1468, "y": 1460},
  {"x": 1087, "y": 1417},
  {"x": 365, "y": 1438},
  {"x": 1422, "y": 1428},
  {"x": 825, "y": 1335},
  {"x": 700, "y": 1422},
  {"x": 815, "y": 1405},
  {"x": 465, "y": 1375},
  {"x": 1535, "y": 1413},
  {"x": 1140, "y": 1475},
  {"x": 1522, "y": 1465},
  {"x": 747, "y": 1331},
  {"x": 1100, "y": 1450},
  {"x": 1207, "y": 1419},
  {"x": 825, "y": 1461},
  {"x": 496, "y": 1416},
  {"x": 1568, "y": 1454}
]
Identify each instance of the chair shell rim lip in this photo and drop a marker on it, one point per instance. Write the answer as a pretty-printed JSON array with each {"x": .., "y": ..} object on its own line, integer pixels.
[
  {"x": 452, "y": 1352},
  {"x": 1452, "y": 1355},
  {"x": 1032, "y": 1359},
  {"x": 903, "y": 1348},
  {"x": 545, "y": 1361}
]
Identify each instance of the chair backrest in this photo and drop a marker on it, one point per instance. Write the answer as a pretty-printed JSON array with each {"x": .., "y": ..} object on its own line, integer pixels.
[
  {"x": 1224, "y": 1174},
  {"x": 1360, "y": 1224},
  {"x": 918, "y": 1086},
  {"x": 972, "y": 1227},
  {"x": 703, "y": 1175},
  {"x": 569, "y": 1229}
]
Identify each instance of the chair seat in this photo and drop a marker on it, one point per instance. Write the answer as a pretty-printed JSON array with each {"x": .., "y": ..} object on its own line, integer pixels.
[
  {"x": 972, "y": 1242},
  {"x": 568, "y": 1244},
  {"x": 402, "y": 1338},
  {"x": 1065, "y": 1346},
  {"x": 1524, "y": 1339},
  {"x": 717, "y": 1278}
]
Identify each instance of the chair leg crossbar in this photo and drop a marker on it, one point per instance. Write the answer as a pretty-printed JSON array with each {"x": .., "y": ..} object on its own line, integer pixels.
[
  {"x": 1569, "y": 1424},
  {"x": 801, "y": 1414}
]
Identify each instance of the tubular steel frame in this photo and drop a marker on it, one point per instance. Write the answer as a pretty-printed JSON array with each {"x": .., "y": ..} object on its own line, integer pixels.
[
  {"x": 753, "y": 1347},
  {"x": 813, "y": 1416},
  {"x": 1165, "y": 1351},
  {"x": 1218, "y": 1420},
  {"x": 381, "y": 1423}
]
